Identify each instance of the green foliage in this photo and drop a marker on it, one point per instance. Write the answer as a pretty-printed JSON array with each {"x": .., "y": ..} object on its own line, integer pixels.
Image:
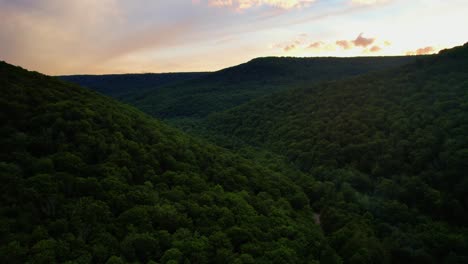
[
  {"x": 124, "y": 85},
  {"x": 364, "y": 170},
  {"x": 237, "y": 85},
  {"x": 391, "y": 147},
  {"x": 87, "y": 179}
]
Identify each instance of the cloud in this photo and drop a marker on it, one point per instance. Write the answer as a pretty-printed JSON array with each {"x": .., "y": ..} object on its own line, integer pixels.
[
  {"x": 289, "y": 47},
  {"x": 368, "y": 2},
  {"x": 375, "y": 49},
  {"x": 246, "y": 4},
  {"x": 88, "y": 36},
  {"x": 345, "y": 44},
  {"x": 422, "y": 51},
  {"x": 53, "y": 32},
  {"x": 316, "y": 45},
  {"x": 321, "y": 46},
  {"x": 361, "y": 41}
]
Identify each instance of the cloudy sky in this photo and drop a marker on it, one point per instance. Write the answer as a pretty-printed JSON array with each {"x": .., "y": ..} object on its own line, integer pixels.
[{"x": 117, "y": 36}]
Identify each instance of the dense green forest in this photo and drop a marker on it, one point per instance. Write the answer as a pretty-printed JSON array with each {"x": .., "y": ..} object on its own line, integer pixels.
[
  {"x": 122, "y": 86},
  {"x": 87, "y": 179},
  {"x": 233, "y": 86},
  {"x": 393, "y": 144},
  {"x": 314, "y": 164}
]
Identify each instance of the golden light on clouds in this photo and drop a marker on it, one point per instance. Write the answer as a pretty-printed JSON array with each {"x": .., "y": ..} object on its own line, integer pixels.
[
  {"x": 368, "y": 2},
  {"x": 375, "y": 49},
  {"x": 362, "y": 41},
  {"x": 360, "y": 44},
  {"x": 345, "y": 44},
  {"x": 423, "y": 51},
  {"x": 246, "y": 4},
  {"x": 116, "y": 36}
]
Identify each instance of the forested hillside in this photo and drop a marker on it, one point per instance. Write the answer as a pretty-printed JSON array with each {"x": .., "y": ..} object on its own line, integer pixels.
[
  {"x": 122, "y": 86},
  {"x": 231, "y": 87},
  {"x": 85, "y": 179},
  {"x": 366, "y": 169},
  {"x": 394, "y": 145}
]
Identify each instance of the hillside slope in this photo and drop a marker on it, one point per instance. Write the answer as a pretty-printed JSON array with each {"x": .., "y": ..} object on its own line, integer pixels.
[
  {"x": 396, "y": 142},
  {"x": 86, "y": 179},
  {"x": 233, "y": 86},
  {"x": 122, "y": 86}
]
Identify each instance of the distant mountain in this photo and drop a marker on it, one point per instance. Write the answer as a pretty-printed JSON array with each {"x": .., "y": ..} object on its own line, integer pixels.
[
  {"x": 393, "y": 143},
  {"x": 85, "y": 179},
  {"x": 124, "y": 85},
  {"x": 233, "y": 86}
]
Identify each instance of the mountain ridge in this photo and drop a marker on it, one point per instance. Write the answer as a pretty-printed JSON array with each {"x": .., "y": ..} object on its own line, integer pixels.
[
  {"x": 121, "y": 85},
  {"x": 201, "y": 94},
  {"x": 236, "y": 85}
]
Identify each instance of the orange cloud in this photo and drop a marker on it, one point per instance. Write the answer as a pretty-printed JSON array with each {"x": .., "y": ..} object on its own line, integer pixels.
[
  {"x": 289, "y": 47},
  {"x": 246, "y": 4},
  {"x": 344, "y": 44},
  {"x": 316, "y": 45},
  {"x": 299, "y": 42},
  {"x": 361, "y": 41},
  {"x": 422, "y": 51},
  {"x": 368, "y": 2},
  {"x": 101, "y": 41},
  {"x": 375, "y": 49}
]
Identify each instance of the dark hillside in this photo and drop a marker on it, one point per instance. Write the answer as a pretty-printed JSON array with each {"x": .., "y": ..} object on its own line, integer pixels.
[
  {"x": 396, "y": 142},
  {"x": 233, "y": 86},
  {"x": 86, "y": 179},
  {"x": 122, "y": 86}
]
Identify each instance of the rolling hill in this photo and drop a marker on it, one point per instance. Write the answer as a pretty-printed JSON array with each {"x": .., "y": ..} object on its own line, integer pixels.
[
  {"x": 218, "y": 91},
  {"x": 85, "y": 179},
  {"x": 122, "y": 86},
  {"x": 234, "y": 86},
  {"x": 394, "y": 143},
  {"x": 358, "y": 160}
]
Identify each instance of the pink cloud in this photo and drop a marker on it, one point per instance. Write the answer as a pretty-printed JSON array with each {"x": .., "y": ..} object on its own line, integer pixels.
[
  {"x": 316, "y": 45},
  {"x": 426, "y": 50},
  {"x": 368, "y": 2},
  {"x": 422, "y": 51},
  {"x": 246, "y": 4},
  {"x": 344, "y": 44},
  {"x": 289, "y": 47},
  {"x": 375, "y": 49},
  {"x": 361, "y": 41}
]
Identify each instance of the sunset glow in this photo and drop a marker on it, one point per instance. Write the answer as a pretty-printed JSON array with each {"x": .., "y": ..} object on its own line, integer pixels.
[{"x": 116, "y": 36}]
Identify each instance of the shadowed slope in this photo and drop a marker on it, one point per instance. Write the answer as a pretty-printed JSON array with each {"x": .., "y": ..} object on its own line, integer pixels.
[
  {"x": 122, "y": 86},
  {"x": 394, "y": 143},
  {"x": 233, "y": 86},
  {"x": 84, "y": 178}
]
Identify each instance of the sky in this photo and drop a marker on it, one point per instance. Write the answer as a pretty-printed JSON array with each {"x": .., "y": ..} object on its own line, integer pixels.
[{"x": 60, "y": 37}]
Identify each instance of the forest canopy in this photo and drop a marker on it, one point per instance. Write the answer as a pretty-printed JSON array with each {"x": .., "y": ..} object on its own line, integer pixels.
[
  {"x": 363, "y": 165},
  {"x": 87, "y": 179}
]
